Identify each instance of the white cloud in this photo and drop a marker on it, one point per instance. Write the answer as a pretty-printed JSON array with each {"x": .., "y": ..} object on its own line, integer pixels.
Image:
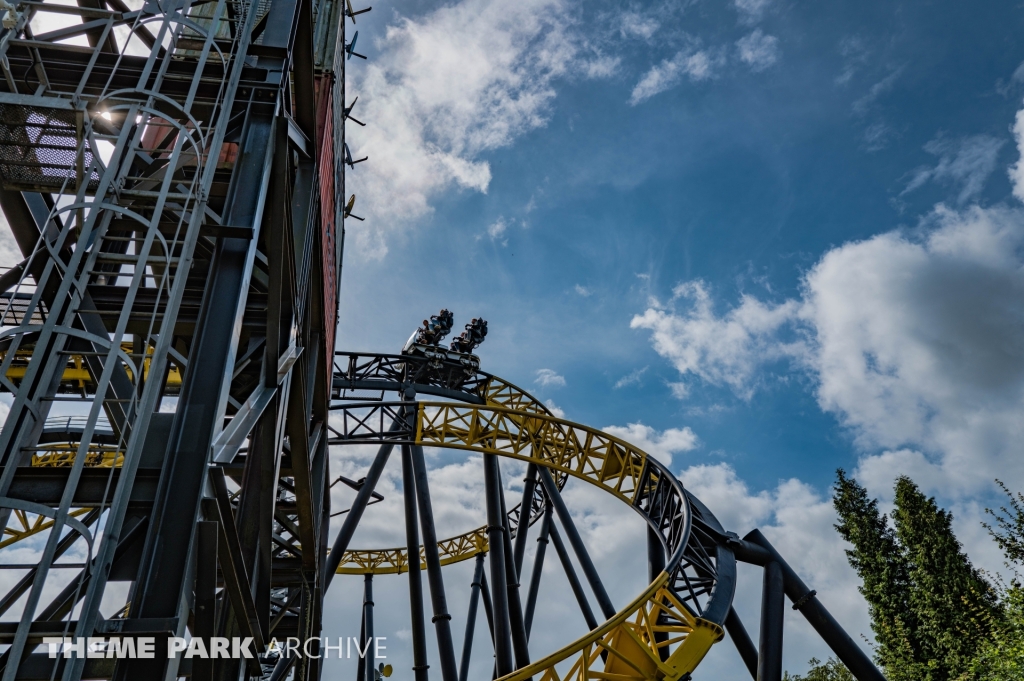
[
  {"x": 697, "y": 64},
  {"x": 1017, "y": 169},
  {"x": 916, "y": 342},
  {"x": 862, "y": 105},
  {"x": 966, "y": 162},
  {"x": 680, "y": 391},
  {"x": 632, "y": 378},
  {"x": 751, "y": 10},
  {"x": 722, "y": 350},
  {"x": 914, "y": 339},
  {"x": 447, "y": 87},
  {"x": 548, "y": 377},
  {"x": 659, "y": 445},
  {"x": 582, "y": 290},
  {"x": 497, "y": 230},
  {"x": 555, "y": 409},
  {"x": 758, "y": 50},
  {"x": 10, "y": 253},
  {"x": 636, "y": 25}
]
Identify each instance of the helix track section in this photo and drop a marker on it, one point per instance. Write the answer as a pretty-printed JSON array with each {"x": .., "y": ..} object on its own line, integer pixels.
[{"x": 666, "y": 630}]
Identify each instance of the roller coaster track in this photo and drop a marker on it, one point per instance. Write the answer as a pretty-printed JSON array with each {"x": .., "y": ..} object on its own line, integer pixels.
[{"x": 667, "y": 630}]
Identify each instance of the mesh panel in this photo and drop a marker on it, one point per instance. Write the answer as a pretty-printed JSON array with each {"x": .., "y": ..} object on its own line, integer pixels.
[{"x": 38, "y": 148}]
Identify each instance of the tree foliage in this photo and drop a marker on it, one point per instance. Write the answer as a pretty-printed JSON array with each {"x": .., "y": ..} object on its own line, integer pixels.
[
  {"x": 931, "y": 609},
  {"x": 831, "y": 670}
]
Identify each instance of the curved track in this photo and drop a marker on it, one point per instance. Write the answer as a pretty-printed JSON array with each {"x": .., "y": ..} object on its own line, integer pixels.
[{"x": 667, "y": 629}]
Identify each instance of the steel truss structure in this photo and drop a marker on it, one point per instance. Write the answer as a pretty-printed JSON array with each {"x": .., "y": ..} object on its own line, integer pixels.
[
  {"x": 168, "y": 171},
  {"x": 664, "y": 633}
]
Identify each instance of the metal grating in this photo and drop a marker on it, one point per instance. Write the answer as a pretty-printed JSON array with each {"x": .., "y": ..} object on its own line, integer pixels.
[{"x": 38, "y": 148}]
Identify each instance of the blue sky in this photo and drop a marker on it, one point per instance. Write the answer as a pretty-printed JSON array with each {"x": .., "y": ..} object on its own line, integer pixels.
[
  {"x": 759, "y": 239},
  {"x": 762, "y": 239}
]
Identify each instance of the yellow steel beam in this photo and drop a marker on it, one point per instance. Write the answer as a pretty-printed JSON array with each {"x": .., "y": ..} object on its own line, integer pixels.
[{"x": 615, "y": 466}]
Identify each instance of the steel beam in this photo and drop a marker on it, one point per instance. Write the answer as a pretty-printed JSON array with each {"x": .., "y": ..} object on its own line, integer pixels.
[
  {"x": 355, "y": 513},
  {"x": 412, "y": 542},
  {"x": 755, "y": 548},
  {"x": 574, "y": 581},
  {"x": 741, "y": 639},
  {"x": 474, "y": 600},
  {"x": 525, "y": 511},
  {"x": 499, "y": 586},
  {"x": 579, "y": 548},
  {"x": 769, "y": 648},
  {"x": 441, "y": 619},
  {"x": 538, "y": 569}
]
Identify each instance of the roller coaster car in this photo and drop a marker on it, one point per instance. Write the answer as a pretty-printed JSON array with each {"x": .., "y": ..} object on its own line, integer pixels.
[
  {"x": 425, "y": 342},
  {"x": 473, "y": 336},
  {"x": 434, "y": 331}
]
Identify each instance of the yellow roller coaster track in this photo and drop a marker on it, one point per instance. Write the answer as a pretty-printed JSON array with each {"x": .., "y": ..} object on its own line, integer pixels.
[{"x": 628, "y": 641}]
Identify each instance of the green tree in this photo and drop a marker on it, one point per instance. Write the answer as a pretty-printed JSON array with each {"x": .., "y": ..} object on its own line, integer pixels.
[
  {"x": 884, "y": 570},
  {"x": 954, "y": 603},
  {"x": 832, "y": 670},
  {"x": 1001, "y": 657},
  {"x": 931, "y": 609}
]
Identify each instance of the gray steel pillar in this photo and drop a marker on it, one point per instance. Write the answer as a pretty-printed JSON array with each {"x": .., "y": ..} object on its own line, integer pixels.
[
  {"x": 579, "y": 548},
  {"x": 441, "y": 619},
  {"x": 520, "y": 647},
  {"x": 525, "y": 512},
  {"x": 370, "y": 656},
  {"x": 363, "y": 496},
  {"x": 538, "y": 568},
  {"x": 574, "y": 581},
  {"x": 499, "y": 587},
  {"x": 206, "y": 595},
  {"x": 412, "y": 541},
  {"x": 741, "y": 639},
  {"x": 769, "y": 649},
  {"x": 474, "y": 599},
  {"x": 755, "y": 548}
]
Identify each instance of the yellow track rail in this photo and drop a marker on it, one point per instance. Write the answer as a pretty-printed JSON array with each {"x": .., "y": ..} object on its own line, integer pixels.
[{"x": 628, "y": 638}]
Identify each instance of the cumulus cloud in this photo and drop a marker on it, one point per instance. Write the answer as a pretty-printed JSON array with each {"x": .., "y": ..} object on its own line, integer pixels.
[
  {"x": 555, "y": 409},
  {"x": 659, "y": 445},
  {"x": 725, "y": 349},
  {"x": 447, "y": 87},
  {"x": 916, "y": 341},
  {"x": 965, "y": 162},
  {"x": 582, "y": 290},
  {"x": 698, "y": 65},
  {"x": 914, "y": 338},
  {"x": 757, "y": 50},
  {"x": 549, "y": 377}
]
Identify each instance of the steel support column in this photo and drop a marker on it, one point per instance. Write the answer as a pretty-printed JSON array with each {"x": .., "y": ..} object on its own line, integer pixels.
[
  {"x": 769, "y": 649},
  {"x": 579, "y": 548},
  {"x": 441, "y": 619},
  {"x": 741, "y": 639},
  {"x": 755, "y": 548},
  {"x": 499, "y": 585},
  {"x": 474, "y": 599},
  {"x": 538, "y": 568},
  {"x": 574, "y": 581},
  {"x": 412, "y": 541},
  {"x": 525, "y": 509}
]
